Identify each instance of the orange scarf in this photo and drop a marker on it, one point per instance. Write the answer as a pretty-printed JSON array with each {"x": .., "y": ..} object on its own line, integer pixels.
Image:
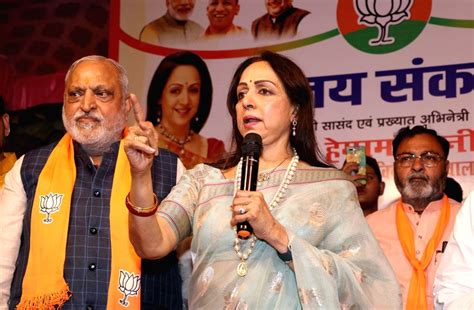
[
  {"x": 417, "y": 290},
  {"x": 5, "y": 165},
  {"x": 44, "y": 286}
]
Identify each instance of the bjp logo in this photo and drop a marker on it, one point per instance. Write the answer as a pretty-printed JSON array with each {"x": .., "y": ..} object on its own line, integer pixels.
[
  {"x": 382, "y": 26},
  {"x": 129, "y": 285},
  {"x": 382, "y": 14},
  {"x": 49, "y": 204}
]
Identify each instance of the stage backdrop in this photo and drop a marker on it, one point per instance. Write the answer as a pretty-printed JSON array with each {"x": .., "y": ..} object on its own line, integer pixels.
[{"x": 373, "y": 70}]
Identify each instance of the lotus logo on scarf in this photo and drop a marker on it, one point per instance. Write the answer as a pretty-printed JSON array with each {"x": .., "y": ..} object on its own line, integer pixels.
[
  {"x": 382, "y": 13},
  {"x": 129, "y": 284},
  {"x": 50, "y": 204}
]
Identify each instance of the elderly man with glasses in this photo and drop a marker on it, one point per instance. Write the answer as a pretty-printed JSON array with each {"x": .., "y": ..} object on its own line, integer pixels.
[{"x": 414, "y": 230}]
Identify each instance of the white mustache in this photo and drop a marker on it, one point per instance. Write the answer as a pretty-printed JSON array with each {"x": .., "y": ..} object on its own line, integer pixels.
[{"x": 95, "y": 116}]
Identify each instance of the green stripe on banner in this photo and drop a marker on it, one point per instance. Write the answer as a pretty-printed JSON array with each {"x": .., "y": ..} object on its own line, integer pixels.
[
  {"x": 306, "y": 41},
  {"x": 301, "y": 42},
  {"x": 323, "y": 36},
  {"x": 457, "y": 23}
]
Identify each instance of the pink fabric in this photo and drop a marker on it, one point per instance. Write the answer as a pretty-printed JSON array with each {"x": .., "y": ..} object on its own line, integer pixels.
[
  {"x": 30, "y": 91},
  {"x": 384, "y": 227}
]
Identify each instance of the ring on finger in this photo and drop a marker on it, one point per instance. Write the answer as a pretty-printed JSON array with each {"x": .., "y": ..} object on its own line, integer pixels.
[{"x": 242, "y": 211}]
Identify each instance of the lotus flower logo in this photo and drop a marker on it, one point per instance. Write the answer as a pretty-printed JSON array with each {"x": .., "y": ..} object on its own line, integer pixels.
[
  {"x": 382, "y": 13},
  {"x": 129, "y": 284},
  {"x": 50, "y": 204}
]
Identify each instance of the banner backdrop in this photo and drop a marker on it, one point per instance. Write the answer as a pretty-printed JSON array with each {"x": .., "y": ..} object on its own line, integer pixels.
[{"x": 373, "y": 69}]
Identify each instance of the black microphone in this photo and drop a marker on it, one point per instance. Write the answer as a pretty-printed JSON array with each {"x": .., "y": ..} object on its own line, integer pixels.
[{"x": 251, "y": 150}]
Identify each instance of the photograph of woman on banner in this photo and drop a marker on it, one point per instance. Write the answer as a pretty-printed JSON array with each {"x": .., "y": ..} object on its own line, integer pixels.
[
  {"x": 311, "y": 247},
  {"x": 179, "y": 102}
]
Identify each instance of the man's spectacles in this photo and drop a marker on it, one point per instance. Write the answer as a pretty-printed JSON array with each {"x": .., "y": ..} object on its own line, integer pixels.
[{"x": 428, "y": 159}]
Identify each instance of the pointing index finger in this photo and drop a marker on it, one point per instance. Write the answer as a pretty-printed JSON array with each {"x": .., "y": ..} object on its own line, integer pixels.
[{"x": 137, "y": 109}]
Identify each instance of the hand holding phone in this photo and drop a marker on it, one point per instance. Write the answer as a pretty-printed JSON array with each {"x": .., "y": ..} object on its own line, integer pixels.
[{"x": 356, "y": 156}]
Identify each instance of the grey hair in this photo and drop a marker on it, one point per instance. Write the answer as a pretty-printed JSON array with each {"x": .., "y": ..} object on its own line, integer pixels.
[{"x": 122, "y": 73}]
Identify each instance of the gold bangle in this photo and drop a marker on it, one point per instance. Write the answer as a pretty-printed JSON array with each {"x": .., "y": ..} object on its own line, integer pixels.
[{"x": 139, "y": 211}]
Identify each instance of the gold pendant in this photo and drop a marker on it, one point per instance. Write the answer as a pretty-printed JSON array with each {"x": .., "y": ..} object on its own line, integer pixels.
[
  {"x": 263, "y": 177},
  {"x": 242, "y": 269}
]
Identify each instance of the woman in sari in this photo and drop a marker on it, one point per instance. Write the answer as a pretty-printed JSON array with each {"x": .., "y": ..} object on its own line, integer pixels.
[
  {"x": 179, "y": 102},
  {"x": 311, "y": 247}
]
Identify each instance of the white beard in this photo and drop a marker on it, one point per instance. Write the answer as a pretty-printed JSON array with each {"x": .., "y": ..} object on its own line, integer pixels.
[
  {"x": 177, "y": 15},
  {"x": 416, "y": 192},
  {"x": 95, "y": 137}
]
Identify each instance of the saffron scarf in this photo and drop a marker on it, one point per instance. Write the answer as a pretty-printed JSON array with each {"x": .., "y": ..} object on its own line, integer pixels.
[
  {"x": 417, "y": 290},
  {"x": 5, "y": 165},
  {"x": 44, "y": 286}
]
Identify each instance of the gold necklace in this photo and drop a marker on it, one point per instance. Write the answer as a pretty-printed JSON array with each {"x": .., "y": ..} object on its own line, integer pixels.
[
  {"x": 174, "y": 139},
  {"x": 242, "y": 267},
  {"x": 265, "y": 176}
]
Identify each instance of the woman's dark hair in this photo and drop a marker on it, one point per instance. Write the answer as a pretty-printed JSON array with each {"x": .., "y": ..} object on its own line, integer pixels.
[
  {"x": 160, "y": 78},
  {"x": 406, "y": 132},
  {"x": 300, "y": 95},
  {"x": 372, "y": 162},
  {"x": 453, "y": 189}
]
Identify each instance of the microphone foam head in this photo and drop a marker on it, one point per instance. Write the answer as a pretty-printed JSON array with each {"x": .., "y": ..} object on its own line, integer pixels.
[{"x": 252, "y": 144}]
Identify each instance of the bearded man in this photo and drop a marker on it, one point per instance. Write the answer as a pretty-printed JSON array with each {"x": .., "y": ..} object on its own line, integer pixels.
[
  {"x": 65, "y": 237},
  {"x": 414, "y": 230},
  {"x": 175, "y": 27}
]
